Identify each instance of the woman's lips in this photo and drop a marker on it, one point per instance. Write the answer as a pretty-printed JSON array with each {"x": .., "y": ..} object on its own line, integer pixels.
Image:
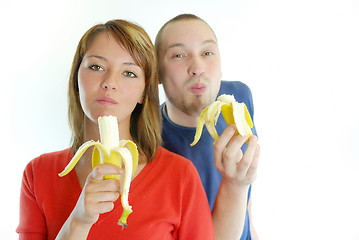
[
  {"x": 198, "y": 88},
  {"x": 106, "y": 101}
]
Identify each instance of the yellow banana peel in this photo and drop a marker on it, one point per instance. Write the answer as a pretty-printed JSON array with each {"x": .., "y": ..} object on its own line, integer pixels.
[
  {"x": 233, "y": 113},
  {"x": 111, "y": 150}
]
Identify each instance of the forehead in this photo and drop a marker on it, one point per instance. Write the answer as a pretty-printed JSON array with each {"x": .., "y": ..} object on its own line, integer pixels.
[
  {"x": 105, "y": 43},
  {"x": 103, "y": 40},
  {"x": 187, "y": 32},
  {"x": 106, "y": 46}
]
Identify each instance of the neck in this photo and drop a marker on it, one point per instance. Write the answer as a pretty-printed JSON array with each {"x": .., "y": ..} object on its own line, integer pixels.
[
  {"x": 179, "y": 117},
  {"x": 91, "y": 130}
]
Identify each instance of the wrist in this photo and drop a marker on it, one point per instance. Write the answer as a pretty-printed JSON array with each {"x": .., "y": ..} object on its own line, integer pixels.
[
  {"x": 234, "y": 187},
  {"x": 74, "y": 229},
  {"x": 76, "y": 224}
]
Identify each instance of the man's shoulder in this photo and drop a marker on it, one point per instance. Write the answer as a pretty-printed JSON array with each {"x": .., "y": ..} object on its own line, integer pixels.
[{"x": 240, "y": 90}]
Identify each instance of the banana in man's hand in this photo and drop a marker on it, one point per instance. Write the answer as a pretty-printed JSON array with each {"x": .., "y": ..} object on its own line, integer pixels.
[
  {"x": 110, "y": 150},
  {"x": 233, "y": 113}
]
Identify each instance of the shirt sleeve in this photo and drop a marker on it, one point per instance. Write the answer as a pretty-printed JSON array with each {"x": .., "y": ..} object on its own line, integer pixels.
[
  {"x": 196, "y": 219},
  {"x": 32, "y": 224}
]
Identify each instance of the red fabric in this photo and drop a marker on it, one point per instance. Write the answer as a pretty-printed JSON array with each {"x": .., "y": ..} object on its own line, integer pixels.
[{"x": 167, "y": 199}]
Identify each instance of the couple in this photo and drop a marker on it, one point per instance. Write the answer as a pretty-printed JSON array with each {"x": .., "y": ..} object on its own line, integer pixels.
[{"x": 116, "y": 71}]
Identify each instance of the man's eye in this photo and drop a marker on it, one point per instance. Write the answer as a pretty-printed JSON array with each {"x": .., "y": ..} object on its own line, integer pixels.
[
  {"x": 208, "y": 53},
  {"x": 130, "y": 74},
  {"x": 96, "y": 68}
]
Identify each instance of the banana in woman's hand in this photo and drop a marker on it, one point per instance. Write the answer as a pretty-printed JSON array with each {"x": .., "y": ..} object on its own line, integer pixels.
[{"x": 110, "y": 150}]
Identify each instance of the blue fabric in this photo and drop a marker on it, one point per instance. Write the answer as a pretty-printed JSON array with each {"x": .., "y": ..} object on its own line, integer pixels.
[{"x": 178, "y": 138}]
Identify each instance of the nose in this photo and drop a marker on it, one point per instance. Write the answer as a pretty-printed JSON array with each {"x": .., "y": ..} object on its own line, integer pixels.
[
  {"x": 196, "y": 66},
  {"x": 109, "y": 82}
]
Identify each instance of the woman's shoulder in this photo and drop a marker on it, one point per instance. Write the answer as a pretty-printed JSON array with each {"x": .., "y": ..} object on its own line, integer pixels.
[
  {"x": 57, "y": 159},
  {"x": 163, "y": 153},
  {"x": 173, "y": 162}
]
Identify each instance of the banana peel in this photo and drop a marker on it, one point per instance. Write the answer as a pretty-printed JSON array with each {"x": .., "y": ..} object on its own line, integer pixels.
[
  {"x": 233, "y": 113},
  {"x": 111, "y": 150}
]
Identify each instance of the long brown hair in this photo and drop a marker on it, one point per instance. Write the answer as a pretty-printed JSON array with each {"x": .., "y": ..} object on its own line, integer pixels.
[{"x": 145, "y": 125}]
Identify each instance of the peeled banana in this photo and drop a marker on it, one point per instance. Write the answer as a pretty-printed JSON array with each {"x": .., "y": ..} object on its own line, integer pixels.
[
  {"x": 233, "y": 113},
  {"x": 111, "y": 150}
]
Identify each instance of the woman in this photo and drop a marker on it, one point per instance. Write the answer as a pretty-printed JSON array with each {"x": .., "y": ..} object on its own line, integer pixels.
[{"x": 114, "y": 72}]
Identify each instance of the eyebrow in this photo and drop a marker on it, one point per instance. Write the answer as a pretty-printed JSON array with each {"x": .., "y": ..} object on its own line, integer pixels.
[
  {"x": 97, "y": 56},
  {"x": 105, "y": 59},
  {"x": 131, "y": 64},
  {"x": 209, "y": 41}
]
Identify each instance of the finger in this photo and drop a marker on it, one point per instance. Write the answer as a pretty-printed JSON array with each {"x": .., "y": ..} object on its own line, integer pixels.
[
  {"x": 233, "y": 152},
  {"x": 239, "y": 139},
  {"x": 248, "y": 155},
  {"x": 221, "y": 144},
  {"x": 252, "y": 171},
  {"x": 226, "y": 136},
  {"x": 235, "y": 145},
  {"x": 100, "y": 202},
  {"x": 101, "y": 170},
  {"x": 104, "y": 207},
  {"x": 108, "y": 185},
  {"x": 96, "y": 197},
  {"x": 97, "y": 207}
]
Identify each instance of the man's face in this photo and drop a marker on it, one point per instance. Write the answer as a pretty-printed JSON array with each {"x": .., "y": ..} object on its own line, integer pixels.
[{"x": 190, "y": 65}]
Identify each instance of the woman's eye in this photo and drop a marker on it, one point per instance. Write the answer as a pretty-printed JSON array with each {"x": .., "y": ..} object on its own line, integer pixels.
[
  {"x": 178, "y": 55},
  {"x": 130, "y": 74},
  {"x": 208, "y": 53},
  {"x": 96, "y": 68}
]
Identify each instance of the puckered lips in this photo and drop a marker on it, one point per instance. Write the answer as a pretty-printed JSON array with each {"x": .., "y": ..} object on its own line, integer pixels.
[{"x": 198, "y": 88}]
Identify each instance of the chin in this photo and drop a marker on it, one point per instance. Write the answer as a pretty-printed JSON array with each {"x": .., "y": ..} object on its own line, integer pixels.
[{"x": 195, "y": 108}]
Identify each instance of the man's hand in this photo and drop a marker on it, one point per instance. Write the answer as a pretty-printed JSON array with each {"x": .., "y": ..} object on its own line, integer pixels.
[
  {"x": 238, "y": 171},
  {"x": 236, "y": 167}
]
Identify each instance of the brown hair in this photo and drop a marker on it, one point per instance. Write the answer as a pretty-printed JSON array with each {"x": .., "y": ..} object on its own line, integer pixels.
[{"x": 145, "y": 125}]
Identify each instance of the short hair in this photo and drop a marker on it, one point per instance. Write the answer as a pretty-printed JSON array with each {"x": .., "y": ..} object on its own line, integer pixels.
[
  {"x": 180, "y": 17},
  {"x": 145, "y": 123}
]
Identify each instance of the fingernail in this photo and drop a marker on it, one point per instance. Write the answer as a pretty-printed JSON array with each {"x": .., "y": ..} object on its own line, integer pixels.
[{"x": 254, "y": 138}]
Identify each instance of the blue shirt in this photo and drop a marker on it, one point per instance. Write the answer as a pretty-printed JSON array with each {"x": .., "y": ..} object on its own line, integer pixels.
[{"x": 177, "y": 139}]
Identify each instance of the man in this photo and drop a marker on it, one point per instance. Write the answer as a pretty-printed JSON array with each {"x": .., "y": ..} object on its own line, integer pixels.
[{"x": 190, "y": 71}]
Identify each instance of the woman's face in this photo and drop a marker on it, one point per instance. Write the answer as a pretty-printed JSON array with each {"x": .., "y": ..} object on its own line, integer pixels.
[{"x": 110, "y": 82}]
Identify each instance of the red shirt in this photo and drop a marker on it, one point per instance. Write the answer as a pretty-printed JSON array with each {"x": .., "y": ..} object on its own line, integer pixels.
[{"x": 167, "y": 199}]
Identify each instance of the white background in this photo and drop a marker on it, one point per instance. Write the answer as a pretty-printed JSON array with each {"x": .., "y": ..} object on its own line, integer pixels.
[{"x": 300, "y": 58}]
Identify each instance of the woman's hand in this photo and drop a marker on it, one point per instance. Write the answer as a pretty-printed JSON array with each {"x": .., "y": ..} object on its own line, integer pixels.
[{"x": 98, "y": 195}]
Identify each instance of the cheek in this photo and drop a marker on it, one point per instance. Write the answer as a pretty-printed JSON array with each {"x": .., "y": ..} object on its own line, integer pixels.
[
  {"x": 215, "y": 67},
  {"x": 134, "y": 91},
  {"x": 82, "y": 97},
  {"x": 215, "y": 74},
  {"x": 81, "y": 82},
  {"x": 140, "y": 96},
  {"x": 83, "y": 90},
  {"x": 174, "y": 71}
]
